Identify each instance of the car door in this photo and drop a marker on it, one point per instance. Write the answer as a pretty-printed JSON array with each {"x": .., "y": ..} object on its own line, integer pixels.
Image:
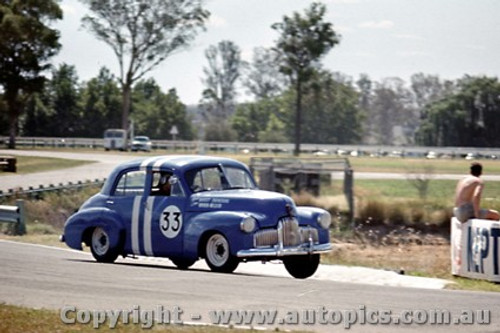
[
  {"x": 127, "y": 199},
  {"x": 163, "y": 218}
]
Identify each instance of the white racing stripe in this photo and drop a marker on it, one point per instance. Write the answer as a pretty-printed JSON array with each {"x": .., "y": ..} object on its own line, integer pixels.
[
  {"x": 148, "y": 214},
  {"x": 157, "y": 165},
  {"x": 135, "y": 225},
  {"x": 148, "y": 161}
]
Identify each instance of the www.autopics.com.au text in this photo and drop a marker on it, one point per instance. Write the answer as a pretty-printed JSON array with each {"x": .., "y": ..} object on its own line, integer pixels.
[{"x": 319, "y": 316}]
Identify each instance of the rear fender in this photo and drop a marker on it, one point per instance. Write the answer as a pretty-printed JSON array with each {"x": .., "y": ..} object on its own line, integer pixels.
[{"x": 78, "y": 228}]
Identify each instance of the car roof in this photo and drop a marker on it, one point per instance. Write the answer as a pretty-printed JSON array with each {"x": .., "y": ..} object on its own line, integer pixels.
[{"x": 179, "y": 162}]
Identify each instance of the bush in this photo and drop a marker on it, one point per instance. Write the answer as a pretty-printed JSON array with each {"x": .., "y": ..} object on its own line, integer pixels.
[
  {"x": 373, "y": 212},
  {"x": 418, "y": 214},
  {"x": 396, "y": 215}
]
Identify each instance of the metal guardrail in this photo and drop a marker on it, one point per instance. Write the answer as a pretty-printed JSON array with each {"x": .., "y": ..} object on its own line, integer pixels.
[
  {"x": 32, "y": 192},
  {"x": 15, "y": 215},
  {"x": 258, "y": 147}
]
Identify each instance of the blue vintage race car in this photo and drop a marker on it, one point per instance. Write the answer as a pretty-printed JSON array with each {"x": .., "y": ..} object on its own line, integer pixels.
[{"x": 190, "y": 207}]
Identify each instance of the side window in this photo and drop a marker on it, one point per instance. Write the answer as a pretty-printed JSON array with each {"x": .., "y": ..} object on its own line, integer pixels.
[
  {"x": 177, "y": 190},
  {"x": 166, "y": 184},
  {"x": 238, "y": 178},
  {"x": 207, "y": 179},
  {"x": 131, "y": 183}
]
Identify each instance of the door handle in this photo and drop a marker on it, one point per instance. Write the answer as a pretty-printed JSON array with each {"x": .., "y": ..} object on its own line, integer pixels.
[{"x": 110, "y": 202}]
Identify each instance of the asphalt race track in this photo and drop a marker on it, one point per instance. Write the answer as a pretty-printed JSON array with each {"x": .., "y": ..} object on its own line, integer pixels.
[{"x": 47, "y": 277}]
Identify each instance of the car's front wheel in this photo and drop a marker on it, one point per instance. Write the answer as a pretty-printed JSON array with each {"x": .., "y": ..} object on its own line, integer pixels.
[
  {"x": 302, "y": 267},
  {"x": 218, "y": 255},
  {"x": 101, "y": 248},
  {"x": 183, "y": 263}
]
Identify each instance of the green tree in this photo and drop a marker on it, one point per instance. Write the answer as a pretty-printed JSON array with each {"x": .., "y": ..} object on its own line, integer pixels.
[
  {"x": 100, "y": 104},
  {"x": 251, "y": 119},
  {"x": 470, "y": 117},
  {"x": 37, "y": 120},
  {"x": 391, "y": 106},
  {"x": 303, "y": 40},
  {"x": 263, "y": 78},
  {"x": 143, "y": 33},
  {"x": 154, "y": 113},
  {"x": 274, "y": 131},
  {"x": 63, "y": 94},
  {"x": 334, "y": 115},
  {"x": 219, "y": 97},
  {"x": 365, "y": 86},
  {"x": 4, "y": 119},
  {"x": 26, "y": 45}
]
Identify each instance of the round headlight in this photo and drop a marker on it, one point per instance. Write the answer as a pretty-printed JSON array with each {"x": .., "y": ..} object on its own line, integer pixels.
[
  {"x": 324, "y": 220},
  {"x": 247, "y": 224}
]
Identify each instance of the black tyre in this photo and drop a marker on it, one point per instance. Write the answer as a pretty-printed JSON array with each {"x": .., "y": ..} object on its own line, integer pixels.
[
  {"x": 101, "y": 248},
  {"x": 183, "y": 263},
  {"x": 301, "y": 267},
  {"x": 218, "y": 255}
]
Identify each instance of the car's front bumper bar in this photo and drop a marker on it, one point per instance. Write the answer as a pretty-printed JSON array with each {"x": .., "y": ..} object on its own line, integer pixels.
[{"x": 279, "y": 251}]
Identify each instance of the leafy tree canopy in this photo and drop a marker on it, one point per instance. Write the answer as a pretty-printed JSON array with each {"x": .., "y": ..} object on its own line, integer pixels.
[{"x": 26, "y": 44}]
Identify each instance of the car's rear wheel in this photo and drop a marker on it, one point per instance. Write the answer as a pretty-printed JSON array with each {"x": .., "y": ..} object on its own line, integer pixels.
[
  {"x": 101, "y": 248},
  {"x": 218, "y": 255},
  {"x": 302, "y": 267}
]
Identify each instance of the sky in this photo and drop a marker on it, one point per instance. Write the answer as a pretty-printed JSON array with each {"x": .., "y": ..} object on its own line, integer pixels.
[{"x": 380, "y": 38}]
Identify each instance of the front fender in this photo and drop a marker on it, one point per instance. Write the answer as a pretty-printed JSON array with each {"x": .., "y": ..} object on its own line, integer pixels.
[
  {"x": 83, "y": 221},
  {"x": 225, "y": 222},
  {"x": 308, "y": 215}
]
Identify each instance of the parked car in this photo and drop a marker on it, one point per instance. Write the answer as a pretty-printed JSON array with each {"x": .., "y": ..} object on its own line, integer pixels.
[
  {"x": 191, "y": 207},
  {"x": 141, "y": 143}
]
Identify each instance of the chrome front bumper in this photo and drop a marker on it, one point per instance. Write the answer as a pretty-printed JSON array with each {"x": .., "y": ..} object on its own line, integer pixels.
[
  {"x": 288, "y": 239},
  {"x": 280, "y": 251}
]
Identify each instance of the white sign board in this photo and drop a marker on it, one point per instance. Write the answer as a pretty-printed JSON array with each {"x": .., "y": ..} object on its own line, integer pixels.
[{"x": 475, "y": 249}]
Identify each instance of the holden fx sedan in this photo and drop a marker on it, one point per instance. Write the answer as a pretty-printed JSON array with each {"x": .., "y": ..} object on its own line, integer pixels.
[{"x": 191, "y": 207}]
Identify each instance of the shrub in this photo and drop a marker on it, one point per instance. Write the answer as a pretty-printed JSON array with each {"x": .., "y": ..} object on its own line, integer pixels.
[{"x": 373, "y": 212}]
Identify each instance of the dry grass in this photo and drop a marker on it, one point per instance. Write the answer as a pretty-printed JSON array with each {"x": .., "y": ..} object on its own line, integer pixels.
[
  {"x": 20, "y": 319},
  {"x": 413, "y": 259}
]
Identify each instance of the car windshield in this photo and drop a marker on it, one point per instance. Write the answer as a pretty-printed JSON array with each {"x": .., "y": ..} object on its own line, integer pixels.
[
  {"x": 218, "y": 178},
  {"x": 141, "y": 138}
]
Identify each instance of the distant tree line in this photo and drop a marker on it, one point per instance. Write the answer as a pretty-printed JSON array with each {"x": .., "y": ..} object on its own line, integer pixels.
[
  {"x": 67, "y": 107},
  {"x": 337, "y": 109},
  {"x": 292, "y": 97}
]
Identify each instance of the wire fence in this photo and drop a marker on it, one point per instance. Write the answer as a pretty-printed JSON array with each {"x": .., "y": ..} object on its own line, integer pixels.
[{"x": 39, "y": 191}]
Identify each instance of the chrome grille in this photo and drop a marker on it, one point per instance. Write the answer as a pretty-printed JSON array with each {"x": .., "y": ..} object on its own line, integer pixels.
[
  {"x": 289, "y": 232},
  {"x": 307, "y": 232},
  {"x": 266, "y": 238}
]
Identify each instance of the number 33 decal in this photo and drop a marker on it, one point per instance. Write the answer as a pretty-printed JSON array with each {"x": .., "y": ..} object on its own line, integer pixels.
[{"x": 171, "y": 221}]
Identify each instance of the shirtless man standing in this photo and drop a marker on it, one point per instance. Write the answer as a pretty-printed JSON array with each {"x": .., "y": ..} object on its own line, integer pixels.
[{"x": 468, "y": 197}]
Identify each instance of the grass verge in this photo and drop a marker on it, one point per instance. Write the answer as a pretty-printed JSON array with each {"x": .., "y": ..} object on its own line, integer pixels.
[
  {"x": 29, "y": 164},
  {"x": 20, "y": 319}
]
